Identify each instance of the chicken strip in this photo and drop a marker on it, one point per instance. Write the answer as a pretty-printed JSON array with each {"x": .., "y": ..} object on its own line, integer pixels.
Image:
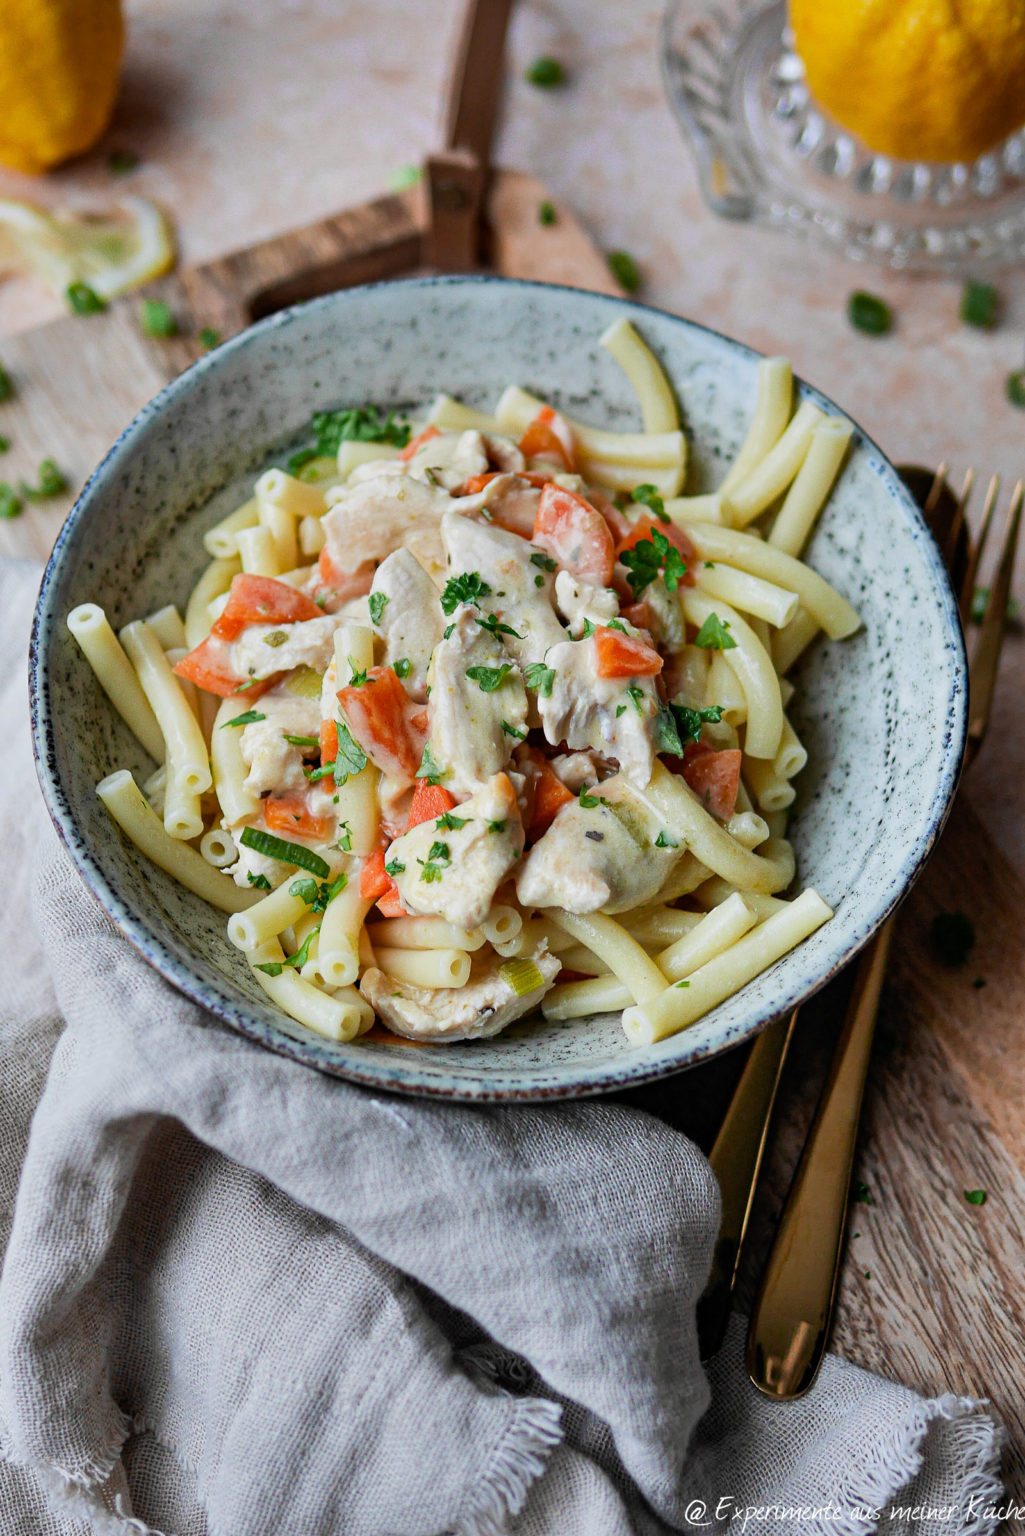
[
  {"x": 614, "y": 715},
  {"x": 478, "y": 704},
  {"x": 518, "y": 587},
  {"x": 410, "y": 621}
]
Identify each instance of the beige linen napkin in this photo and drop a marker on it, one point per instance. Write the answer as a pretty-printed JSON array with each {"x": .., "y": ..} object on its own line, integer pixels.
[{"x": 241, "y": 1298}]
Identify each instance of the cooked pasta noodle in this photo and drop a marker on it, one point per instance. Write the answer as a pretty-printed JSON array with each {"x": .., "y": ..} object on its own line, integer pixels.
[{"x": 116, "y": 676}]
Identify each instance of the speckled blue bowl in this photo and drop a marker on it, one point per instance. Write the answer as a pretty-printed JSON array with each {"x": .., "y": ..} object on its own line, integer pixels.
[{"x": 883, "y": 715}]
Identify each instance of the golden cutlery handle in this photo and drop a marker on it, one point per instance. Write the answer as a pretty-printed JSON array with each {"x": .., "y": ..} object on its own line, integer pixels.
[
  {"x": 736, "y": 1160},
  {"x": 791, "y": 1316}
]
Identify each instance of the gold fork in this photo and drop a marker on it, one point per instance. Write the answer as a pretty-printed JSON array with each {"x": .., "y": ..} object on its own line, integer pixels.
[{"x": 791, "y": 1318}]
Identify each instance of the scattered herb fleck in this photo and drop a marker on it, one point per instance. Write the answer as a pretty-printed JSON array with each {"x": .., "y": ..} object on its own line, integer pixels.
[
  {"x": 869, "y": 314},
  {"x": 250, "y": 717},
  {"x": 546, "y": 213},
  {"x": 975, "y": 1196},
  {"x": 209, "y": 338},
  {"x": 403, "y": 667},
  {"x": 300, "y": 741},
  {"x": 677, "y": 724},
  {"x": 83, "y": 300},
  {"x": 6, "y": 387},
  {"x": 714, "y": 635},
  {"x": 494, "y": 627},
  {"x": 377, "y": 603},
  {"x": 979, "y": 305},
  {"x": 545, "y": 72},
  {"x": 494, "y": 826},
  {"x": 1015, "y": 388},
  {"x": 489, "y": 679},
  {"x": 429, "y": 769},
  {"x": 625, "y": 270},
  {"x": 351, "y": 757},
  {"x": 543, "y": 562},
  {"x": 587, "y": 801},
  {"x": 446, "y": 822},
  {"x": 862, "y": 1194},
  {"x": 50, "y": 482},
  {"x": 511, "y": 730},
  {"x": 357, "y": 675},
  {"x": 539, "y": 678},
  {"x": 394, "y": 867},
  {"x": 647, "y": 557},
  {"x": 468, "y": 588},
  {"x": 649, "y": 497},
  {"x": 10, "y": 502},
  {"x": 157, "y": 319},
  {"x": 259, "y": 881},
  {"x": 638, "y": 696},
  {"x": 663, "y": 840},
  {"x": 121, "y": 162}
]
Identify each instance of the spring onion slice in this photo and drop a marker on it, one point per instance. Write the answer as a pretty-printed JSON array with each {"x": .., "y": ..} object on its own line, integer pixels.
[
  {"x": 522, "y": 975},
  {"x": 289, "y": 853}
]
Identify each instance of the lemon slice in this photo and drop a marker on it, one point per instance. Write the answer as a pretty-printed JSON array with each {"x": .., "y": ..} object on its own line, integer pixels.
[{"x": 112, "y": 252}]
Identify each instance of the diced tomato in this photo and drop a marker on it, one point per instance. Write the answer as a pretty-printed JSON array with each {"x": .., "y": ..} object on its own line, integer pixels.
[
  {"x": 548, "y": 437},
  {"x": 376, "y": 884},
  {"x": 262, "y": 600},
  {"x": 550, "y": 795},
  {"x": 713, "y": 776},
  {"x": 478, "y": 482},
  {"x": 575, "y": 535},
  {"x": 377, "y": 714},
  {"x": 208, "y": 665},
  {"x": 621, "y": 655},
  {"x": 328, "y": 742},
  {"x": 429, "y": 802},
  {"x": 643, "y": 528},
  {"x": 291, "y": 816},
  {"x": 418, "y": 442}
]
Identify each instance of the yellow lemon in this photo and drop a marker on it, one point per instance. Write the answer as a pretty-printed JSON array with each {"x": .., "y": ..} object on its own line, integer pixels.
[
  {"x": 111, "y": 252},
  {"x": 917, "y": 79},
  {"x": 59, "y": 62}
]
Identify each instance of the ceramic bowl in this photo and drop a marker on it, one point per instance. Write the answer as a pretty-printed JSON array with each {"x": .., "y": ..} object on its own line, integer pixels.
[{"x": 882, "y": 714}]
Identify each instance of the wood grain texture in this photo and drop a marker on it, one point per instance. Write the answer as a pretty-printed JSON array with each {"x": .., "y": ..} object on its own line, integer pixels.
[{"x": 931, "y": 1292}]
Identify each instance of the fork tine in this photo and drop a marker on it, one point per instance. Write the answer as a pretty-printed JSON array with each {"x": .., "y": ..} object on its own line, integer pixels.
[
  {"x": 975, "y": 549},
  {"x": 983, "y": 670},
  {"x": 958, "y": 522},
  {"x": 935, "y": 490}
]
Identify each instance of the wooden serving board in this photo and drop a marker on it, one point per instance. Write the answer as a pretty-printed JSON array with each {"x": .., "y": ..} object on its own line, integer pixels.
[{"x": 932, "y": 1292}]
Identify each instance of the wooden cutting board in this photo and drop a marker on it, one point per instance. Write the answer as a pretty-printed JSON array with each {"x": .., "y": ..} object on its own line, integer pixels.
[{"x": 931, "y": 1292}]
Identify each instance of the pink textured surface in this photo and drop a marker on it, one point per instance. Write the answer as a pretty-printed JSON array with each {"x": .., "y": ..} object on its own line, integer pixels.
[{"x": 252, "y": 118}]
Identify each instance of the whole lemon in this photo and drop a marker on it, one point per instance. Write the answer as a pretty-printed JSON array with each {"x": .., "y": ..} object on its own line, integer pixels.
[
  {"x": 59, "y": 62},
  {"x": 917, "y": 79}
]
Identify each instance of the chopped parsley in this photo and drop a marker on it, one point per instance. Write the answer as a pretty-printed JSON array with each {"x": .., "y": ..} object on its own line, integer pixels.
[
  {"x": 157, "y": 319},
  {"x": 317, "y": 896},
  {"x": 250, "y": 717},
  {"x": 979, "y": 305},
  {"x": 546, "y": 212},
  {"x": 121, "y": 162},
  {"x": 83, "y": 300},
  {"x": 377, "y": 603},
  {"x": 587, "y": 631},
  {"x": 617, "y": 624},
  {"x": 259, "y": 881},
  {"x": 489, "y": 679},
  {"x": 209, "y": 338},
  {"x": 681, "y": 983},
  {"x": 403, "y": 177},
  {"x": 403, "y": 667},
  {"x": 429, "y": 769},
  {"x": 975, "y": 1196},
  {"x": 430, "y": 872},
  {"x": 492, "y": 625},
  {"x": 862, "y": 1194},
  {"x": 980, "y": 602},
  {"x": 6, "y": 387},
  {"x": 493, "y": 826},
  {"x": 543, "y": 562},
  {"x": 620, "y": 710},
  {"x": 649, "y": 497},
  {"x": 357, "y": 424},
  {"x": 539, "y": 580},
  {"x": 1014, "y": 388},
  {"x": 316, "y": 774},
  {"x": 677, "y": 724},
  {"x": 447, "y": 631},
  {"x": 511, "y": 730},
  {"x": 638, "y": 696},
  {"x": 869, "y": 314},
  {"x": 344, "y": 842},
  {"x": 714, "y": 635},
  {"x": 545, "y": 72},
  {"x": 468, "y": 588},
  {"x": 300, "y": 741},
  {"x": 351, "y": 757},
  {"x": 51, "y": 482},
  {"x": 288, "y": 853},
  {"x": 647, "y": 557},
  {"x": 953, "y": 936},
  {"x": 446, "y": 822},
  {"x": 663, "y": 840},
  {"x": 5, "y": 444},
  {"x": 625, "y": 270},
  {"x": 294, "y": 962},
  {"x": 440, "y": 853},
  {"x": 276, "y": 637},
  {"x": 357, "y": 675},
  {"x": 394, "y": 867},
  {"x": 539, "y": 678},
  {"x": 587, "y": 801}
]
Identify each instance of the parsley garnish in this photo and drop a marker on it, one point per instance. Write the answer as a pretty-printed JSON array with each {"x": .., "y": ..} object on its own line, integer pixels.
[
  {"x": 249, "y": 718},
  {"x": 714, "y": 635},
  {"x": 317, "y": 896},
  {"x": 288, "y": 853},
  {"x": 120, "y": 162},
  {"x": 429, "y": 769},
  {"x": 294, "y": 962},
  {"x": 430, "y": 873},
  {"x": 953, "y": 936},
  {"x": 492, "y": 625},
  {"x": 681, "y": 983},
  {"x": 863, "y": 1194},
  {"x": 351, "y": 757},
  {"x": 468, "y": 588},
  {"x": 377, "y": 602},
  {"x": 588, "y": 630},
  {"x": 495, "y": 826},
  {"x": 1014, "y": 387},
  {"x": 489, "y": 679},
  {"x": 440, "y": 853},
  {"x": 625, "y": 270},
  {"x": 344, "y": 842},
  {"x": 620, "y": 710},
  {"x": 357, "y": 424},
  {"x": 394, "y": 867},
  {"x": 403, "y": 667},
  {"x": 543, "y": 562},
  {"x": 587, "y": 801},
  {"x": 316, "y": 774},
  {"x": 975, "y": 1196},
  {"x": 510, "y": 730},
  {"x": 638, "y": 696},
  {"x": 663, "y": 840},
  {"x": 979, "y": 305},
  {"x": 645, "y": 559},
  {"x": 539, "y": 580},
  {"x": 209, "y": 338},
  {"x": 617, "y": 624},
  {"x": 539, "y": 677},
  {"x": 157, "y": 319},
  {"x": 51, "y": 482},
  {"x": 649, "y": 497},
  {"x": 677, "y": 724},
  {"x": 869, "y": 314},
  {"x": 446, "y": 822},
  {"x": 357, "y": 676},
  {"x": 546, "y": 212},
  {"x": 83, "y": 300},
  {"x": 6, "y": 387},
  {"x": 259, "y": 881},
  {"x": 299, "y": 741}
]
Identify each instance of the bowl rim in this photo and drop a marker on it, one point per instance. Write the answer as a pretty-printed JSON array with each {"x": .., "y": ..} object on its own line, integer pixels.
[{"x": 389, "y": 1073}]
